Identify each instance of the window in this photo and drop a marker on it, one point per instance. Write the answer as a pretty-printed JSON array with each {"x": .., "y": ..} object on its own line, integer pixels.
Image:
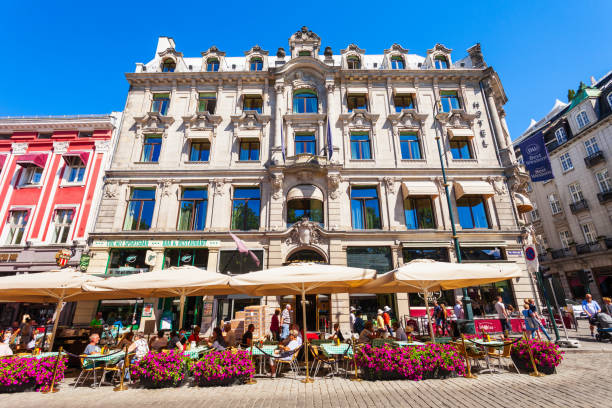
[
  {"x": 235, "y": 263},
  {"x": 472, "y": 212},
  {"x": 591, "y": 146},
  {"x": 561, "y": 135},
  {"x": 139, "y": 215},
  {"x": 590, "y": 235},
  {"x": 353, "y": 62},
  {"x": 360, "y": 146},
  {"x": 245, "y": 208},
  {"x": 418, "y": 212},
  {"x": 212, "y": 65},
  {"x": 365, "y": 211},
  {"x": 256, "y": 64},
  {"x": 440, "y": 62},
  {"x": 47, "y": 135},
  {"x": 378, "y": 258},
  {"x": 603, "y": 180},
  {"x": 397, "y": 62},
  {"x": 535, "y": 214},
  {"x": 127, "y": 261},
  {"x": 482, "y": 254},
  {"x": 249, "y": 150},
  {"x": 207, "y": 102},
  {"x": 160, "y": 103},
  {"x": 200, "y": 151},
  {"x": 437, "y": 254},
  {"x": 85, "y": 134},
  {"x": 168, "y": 65},
  {"x": 409, "y": 145},
  {"x": 610, "y": 99},
  {"x": 575, "y": 192},
  {"x": 197, "y": 257},
  {"x": 193, "y": 205},
  {"x": 151, "y": 148},
  {"x": 10, "y": 257},
  {"x": 565, "y": 238},
  {"x": 528, "y": 188},
  {"x": 304, "y": 208},
  {"x": 62, "y": 220},
  {"x": 305, "y": 144},
  {"x": 461, "y": 149},
  {"x": 31, "y": 176},
  {"x": 449, "y": 100},
  {"x": 356, "y": 101},
  {"x": 74, "y": 171},
  {"x": 555, "y": 205},
  {"x": 403, "y": 101},
  {"x": 304, "y": 54},
  {"x": 305, "y": 102},
  {"x": 566, "y": 162},
  {"x": 582, "y": 119},
  {"x": 16, "y": 225},
  {"x": 253, "y": 103}
]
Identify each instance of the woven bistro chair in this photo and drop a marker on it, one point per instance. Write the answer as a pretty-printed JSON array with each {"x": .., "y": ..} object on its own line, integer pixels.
[
  {"x": 292, "y": 363},
  {"x": 320, "y": 358},
  {"x": 88, "y": 368},
  {"x": 504, "y": 354}
]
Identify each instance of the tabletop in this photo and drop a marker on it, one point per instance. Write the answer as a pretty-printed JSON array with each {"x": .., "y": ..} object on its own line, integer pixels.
[
  {"x": 409, "y": 343},
  {"x": 490, "y": 343},
  {"x": 112, "y": 358},
  {"x": 46, "y": 354},
  {"x": 330, "y": 348},
  {"x": 267, "y": 348},
  {"x": 195, "y": 352}
]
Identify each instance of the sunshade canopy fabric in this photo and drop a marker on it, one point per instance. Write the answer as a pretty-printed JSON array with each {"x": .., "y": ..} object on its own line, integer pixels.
[
  {"x": 80, "y": 157},
  {"x": 51, "y": 286},
  {"x": 473, "y": 187},
  {"x": 302, "y": 277},
  {"x": 32, "y": 160},
  {"x": 419, "y": 188},
  {"x": 428, "y": 275},
  {"x": 305, "y": 191},
  {"x": 523, "y": 204},
  {"x": 171, "y": 282},
  {"x": 462, "y": 133}
]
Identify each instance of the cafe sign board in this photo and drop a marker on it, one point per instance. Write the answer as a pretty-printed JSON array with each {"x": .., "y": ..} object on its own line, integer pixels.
[{"x": 165, "y": 243}]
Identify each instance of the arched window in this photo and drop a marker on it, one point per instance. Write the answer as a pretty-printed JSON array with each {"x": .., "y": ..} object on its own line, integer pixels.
[
  {"x": 441, "y": 62},
  {"x": 397, "y": 62},
  {"x": 256, "y": 64},
  {"x": 306, "y": 255},
  {"x": 304, "y": 202},
  {"x": 305, "y": 101},
  {"x": 168, "y": 65},
  {"x": 353, "y": 62},
  {"x": 212, "y": 65}
]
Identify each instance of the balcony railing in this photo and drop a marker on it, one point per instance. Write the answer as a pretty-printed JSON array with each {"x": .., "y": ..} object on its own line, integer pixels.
[
  {"x": 595, "y": 158},
  {"x": 578, "y": 206},
  {"x": 604, "y": 196},
  {"x": 560, "y": 253},
  {"x": 588, "y": 248}
]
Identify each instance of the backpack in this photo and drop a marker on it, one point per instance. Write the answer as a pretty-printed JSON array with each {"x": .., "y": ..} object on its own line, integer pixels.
[{"x": 359, "y": 325}]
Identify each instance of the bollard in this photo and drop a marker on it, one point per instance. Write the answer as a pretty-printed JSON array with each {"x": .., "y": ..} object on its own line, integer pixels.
[
  {"x": 126, "y": 362},
  {"x": 355, "y": 363},
  {"x": 467, "y": 360},
  {"x": 52, "y": 389}
]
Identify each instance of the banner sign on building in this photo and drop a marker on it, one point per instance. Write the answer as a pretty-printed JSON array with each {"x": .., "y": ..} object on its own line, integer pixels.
[{"x": 535, "y": 157}]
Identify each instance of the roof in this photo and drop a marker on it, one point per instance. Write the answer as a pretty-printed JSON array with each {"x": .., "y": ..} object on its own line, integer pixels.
[{"x": 584, "y": 92}]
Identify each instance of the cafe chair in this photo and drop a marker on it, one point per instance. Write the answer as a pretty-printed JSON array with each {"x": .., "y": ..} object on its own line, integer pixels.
[
  {"x": 88, "y": 367},
  {"x": 321, "y": 359},
  {"x": 110, "y": 368},
  {"x": 504, "y": 354},
  {"x": 292, "y": 363}
]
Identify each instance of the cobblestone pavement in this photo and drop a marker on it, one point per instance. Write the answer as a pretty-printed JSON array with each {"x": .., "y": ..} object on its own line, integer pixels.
[{"x": 564, "y": 389}]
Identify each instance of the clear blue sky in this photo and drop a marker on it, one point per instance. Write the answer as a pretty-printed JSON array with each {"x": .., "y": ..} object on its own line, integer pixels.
[{"x": 70, "y": 57}]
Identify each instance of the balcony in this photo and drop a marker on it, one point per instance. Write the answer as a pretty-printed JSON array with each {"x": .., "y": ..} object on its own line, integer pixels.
[
  {"x": 588, "y": 248},
  {"x": 560, "y": 253},
  {"x": 579, "y": 206},
  {"x": 595, "y": 158},
  {"x": 604, "y": 196}
]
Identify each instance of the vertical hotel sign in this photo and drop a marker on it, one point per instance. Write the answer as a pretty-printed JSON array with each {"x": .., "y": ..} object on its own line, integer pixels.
[{"x": 535, "y": 157}]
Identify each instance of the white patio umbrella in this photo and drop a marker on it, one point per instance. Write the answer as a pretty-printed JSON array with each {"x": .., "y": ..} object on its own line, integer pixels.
[
  {"x": 426, "y": 275},
  {"x": 181, "y": 281},
  {"x": 302, "y": 279},
  {"x": 59, "y": 286}
]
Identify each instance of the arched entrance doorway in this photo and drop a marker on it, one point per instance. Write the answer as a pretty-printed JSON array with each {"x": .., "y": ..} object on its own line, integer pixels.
[{"x": 306, "y": 255}]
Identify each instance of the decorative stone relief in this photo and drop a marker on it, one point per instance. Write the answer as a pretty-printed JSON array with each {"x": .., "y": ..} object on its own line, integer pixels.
[
  {"x": 389, "y": 184},
  {"x": 333, "y": 185},
  {"x": 304, "y": 233},
  {"x": 111, "y": 189},
  {"x": 498, "y": 185},
  {"x": 19, "y": 148},
  {"x": 102, "y": 145},
  {"x": 60, "y": 147},
  {"x": 219, "y": 186},
  {"x": 277, "y": 185},
  {"x": 166, "y": 186}
]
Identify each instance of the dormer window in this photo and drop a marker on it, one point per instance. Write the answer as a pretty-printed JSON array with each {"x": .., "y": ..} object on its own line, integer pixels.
[
  {"x": 561, "y": 135},
  {"x": 168, "y": 65},
  {"x": 582, "y": 119},
  {"x": 304, "y": 54},
  {"x": 253, "y": 103},
  {"x": 403, "y": 101},
  {"x": 305, "y": 101},
  {"x": 353, "y": 62},
  {"x": 212, "y": 65},
  {"x": 397, "y": 62},
  {"x": 441, "y": 62},
  {"x": 256, "y": 64}
]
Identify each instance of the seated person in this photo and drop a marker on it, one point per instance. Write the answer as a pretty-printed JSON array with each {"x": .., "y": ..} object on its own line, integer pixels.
[
  {"x": 92, "y": 347},
  {"x": 159, "y": 342},
  {"x": 5, "y": 349},
  {"x": 139, "y": 347},
  {"x": 337, "y": 333},
  {"x": 399, "y": 332},
  {"x": 230, "y": 335},
  {"x": 300, "y": 339},
  {"x": 126, "y": 340},
  {"x": 247, "y": 337},
  {"x": 194, "y": 337},
  {"x": 97, "y": 321},
  {"x": 177, "y": 339},
  {"x": 217, "y": 341},
  {"x": 367, "y": 334},
  {"x": 287, "y": 351}
]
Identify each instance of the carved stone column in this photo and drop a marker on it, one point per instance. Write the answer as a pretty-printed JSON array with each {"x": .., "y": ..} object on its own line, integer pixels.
[
  {"x": 499, "y": 131},
  {"x": 278, "y": 123},
  {"x": 330, "y": 102}
]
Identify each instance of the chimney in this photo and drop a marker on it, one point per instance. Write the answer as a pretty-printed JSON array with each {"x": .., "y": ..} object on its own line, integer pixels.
[{"x": 163, "y": 43}]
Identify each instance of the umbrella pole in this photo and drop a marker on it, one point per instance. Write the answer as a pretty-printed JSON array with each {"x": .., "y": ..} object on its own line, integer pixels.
[
  {"x": 180, "y": 323},
  {"x": 306, "y": 351},
  {"x": 433, "y": 335},
  {"x": 55, "y": 322}
]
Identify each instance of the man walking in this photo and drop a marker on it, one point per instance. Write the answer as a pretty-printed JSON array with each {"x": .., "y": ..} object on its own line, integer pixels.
[
  {"x": 285, "y": 322},
  {"x": 459, "y": 309},
  {"x": 502, "y": 315},
  {"x": 591, "y": 308}
]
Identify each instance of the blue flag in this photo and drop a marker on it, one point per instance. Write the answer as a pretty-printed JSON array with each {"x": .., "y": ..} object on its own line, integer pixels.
[
  {"x": 330, "y": 147},
  {"x": 535, "y": 157}
]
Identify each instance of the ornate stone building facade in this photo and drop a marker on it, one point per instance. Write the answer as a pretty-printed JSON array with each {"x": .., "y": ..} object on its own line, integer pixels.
[
  {"x": 307, "y": 156},
  {"x": 572, "y": 212}
]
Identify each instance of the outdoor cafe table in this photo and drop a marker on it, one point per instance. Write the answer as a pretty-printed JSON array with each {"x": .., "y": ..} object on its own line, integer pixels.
[
  {"x": 409, "y": 343},
  {"x": 486, "y": 344},
  {"x": 111, "y": 358},
  {"x": 46, "y": 354},
  {"x": 335, "y": 350},
  {"x": 195, "y": 352},
  {"x": 268, "y": 349}
]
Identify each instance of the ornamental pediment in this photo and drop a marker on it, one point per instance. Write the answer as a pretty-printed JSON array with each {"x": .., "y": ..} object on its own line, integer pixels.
[
  {"x": 250, "y": 120},
  {"x": 396, "y": 48},
  {"x": 457, "y": 118},
  {"x": 153, "y": 122},
  {"x": 359, "y": 117},
  {"x": 201, "y": 121},
  {"x": 171, "y": 52},
  {"x": 408, "y": 118}
]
